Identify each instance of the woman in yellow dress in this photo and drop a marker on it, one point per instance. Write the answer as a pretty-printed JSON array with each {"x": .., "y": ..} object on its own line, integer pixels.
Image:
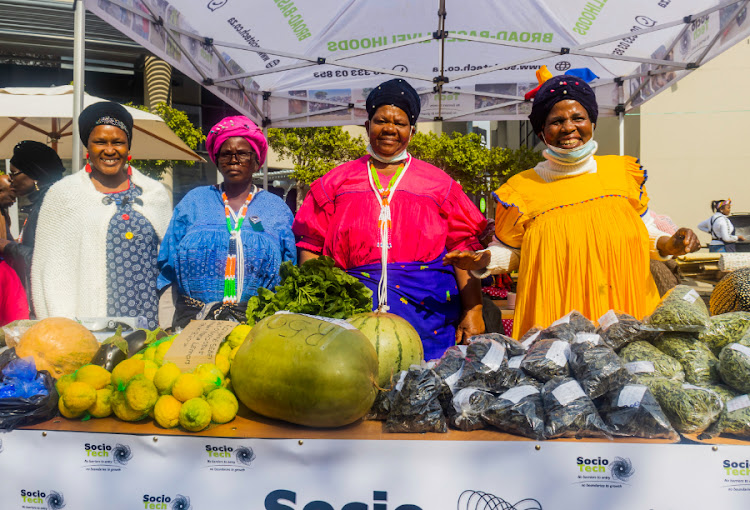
[{"x": 576, "y": 226}]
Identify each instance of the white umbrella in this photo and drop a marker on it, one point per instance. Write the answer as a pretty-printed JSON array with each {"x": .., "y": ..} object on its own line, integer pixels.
[{"x": 44, "y": 115}]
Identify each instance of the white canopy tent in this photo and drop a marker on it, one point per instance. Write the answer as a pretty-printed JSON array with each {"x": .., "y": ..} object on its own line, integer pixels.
[{"x": 312, "y": 63}]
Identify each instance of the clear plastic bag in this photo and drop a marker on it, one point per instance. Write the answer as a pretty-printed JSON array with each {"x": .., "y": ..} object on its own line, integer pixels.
[
  {"x": 510, "y": 375},
  {"x": 619, "y": 329},
  {"x": 566, "y": 327},
  {"x": 735, "y": 419},
  {"x": 725, "y": 329},
  {"x": 512, "y": 347},
  {"x": 12, "y": 332},
  {"x": 596, "y": 366},
  {"x": 569, "y": 411},
  {"x": 547, "y": 359},
  {"x": 415, "y": 406},
  {"x": 691, "y": 409},
  {"x": 680, "y": 309},
  {"x": 530, "y": 337},
  {"x": 468, "y": 406},
  {"x": 632, "y": 411},
  {"x": 518, "y": 411},
  {"x": 449, "y": 369},
  {"x": 484, "y": 356},
  {"x": 698, "y": 362},
  {"x": 646, "y": 361},
  {"x": 734, "y": 367}
]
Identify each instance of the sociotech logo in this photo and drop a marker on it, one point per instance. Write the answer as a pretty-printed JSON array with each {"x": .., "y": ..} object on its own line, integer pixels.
[
  {"x": 164, "y": 502},
  {"x": 736, "y": 475},
  {"x": 287, "y": 500},
  {"x": 603, "y": 473},
  {"x": 42, "y": 500},
  {"x": 106, "y": 457},
  {"x": 228, "y": 458}
]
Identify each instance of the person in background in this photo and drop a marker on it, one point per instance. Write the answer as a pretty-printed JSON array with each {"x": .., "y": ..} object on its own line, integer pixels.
[
  {"x": 388, "y": 218},
  {"x": 13, "y": 303},
  {"x": 576, "y": 226},
  {"x": 34, "y": 168},
  {"x": 99, "y": 229},
  {"x": 720, "y": 227},
  {"x": 7, "y": 199},
  {"x": 225, "y": 241}
]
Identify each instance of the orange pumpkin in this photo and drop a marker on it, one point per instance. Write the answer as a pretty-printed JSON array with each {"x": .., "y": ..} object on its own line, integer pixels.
[{"x": 60, "y": 346}]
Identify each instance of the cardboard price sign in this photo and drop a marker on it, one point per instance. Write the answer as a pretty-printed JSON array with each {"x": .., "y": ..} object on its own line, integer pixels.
[{"x": 198, "y": 343}]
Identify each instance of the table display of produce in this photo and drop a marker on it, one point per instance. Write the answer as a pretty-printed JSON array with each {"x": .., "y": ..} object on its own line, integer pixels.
[{"x": 314, "y": 364}]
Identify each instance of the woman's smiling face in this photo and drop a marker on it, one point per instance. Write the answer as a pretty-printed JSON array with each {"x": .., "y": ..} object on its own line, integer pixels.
[{"x": 568, "y": 125}]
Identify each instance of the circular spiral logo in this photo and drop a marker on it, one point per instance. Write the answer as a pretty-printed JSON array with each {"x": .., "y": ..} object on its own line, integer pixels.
[
  {"x": 622, "y": 469},
  {"x": 245, "y": 455},
  {"x": 180, "y": 502},
  {"x": 55, "y": 501},
  {"x": 122, "y": 454}
]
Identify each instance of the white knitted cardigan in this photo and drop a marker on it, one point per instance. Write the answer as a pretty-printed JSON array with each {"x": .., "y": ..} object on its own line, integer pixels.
[{"x": 68, "y": 269}]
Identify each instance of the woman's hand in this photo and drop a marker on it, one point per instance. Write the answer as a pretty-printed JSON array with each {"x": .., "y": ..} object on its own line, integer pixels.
[
  {"x": 682, "y": 242},
  {"x": 471, "y": 324},
  {"x": 740, "y": 238},
  {"x": 468, "y": 260}
]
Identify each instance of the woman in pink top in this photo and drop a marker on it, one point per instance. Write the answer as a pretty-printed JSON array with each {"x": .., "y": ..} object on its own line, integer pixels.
[{"x": 416, "y": 208}]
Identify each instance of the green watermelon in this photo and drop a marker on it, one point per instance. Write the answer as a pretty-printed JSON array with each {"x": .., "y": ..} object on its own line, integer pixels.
[
  {"x": 307, "y": 370},
  {"x": 396, "y": 342}
]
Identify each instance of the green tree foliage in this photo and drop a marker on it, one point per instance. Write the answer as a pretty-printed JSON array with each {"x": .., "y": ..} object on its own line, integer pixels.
[
  {"x": 463, "y": 157},
  {"x": 178, "y": 121},
  {"x": 315, "y": 151}
]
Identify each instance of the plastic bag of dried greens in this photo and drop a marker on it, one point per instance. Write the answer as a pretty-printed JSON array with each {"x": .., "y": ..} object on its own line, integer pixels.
[
  {"x": 680, "y": 309},
  {"x": 449, "y": 368},
  {"x": 632, "y": 411},
  {"x": 697, "y": 360},
  {"x": 565, "y": 328},
  {"x": 415, "y": 407},
  {"x": 510, "y": 375},
  {"x": 734, "y": 367},
  {"x": 381, "y": 408},
  {"x": 484, "y": 357},
  {"x": 512, "y": 347},
  {"x": 530, "y": 337},
  {"x": 569, "y": 412},
  {"x": 726, "y": 393},
  {"x": 596, "y": 366},
  {"x": 547, "y": 359},
  {"x": 618, "y": 329},
  {"x": 725, "y": 329},
  {"x": 690, "y": 409},
  {"x": 735, "y": 419},
  {"x": 518, "y": 411},
  {"x": 468, "y": 406},
  {"x": 661, "y": 365}
]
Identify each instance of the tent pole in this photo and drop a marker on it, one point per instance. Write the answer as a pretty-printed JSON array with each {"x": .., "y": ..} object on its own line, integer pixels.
[
  {"x": 621, "y": 116},
  {"x": 79, "y": 56},
  {"x": 266, "y": 96}
]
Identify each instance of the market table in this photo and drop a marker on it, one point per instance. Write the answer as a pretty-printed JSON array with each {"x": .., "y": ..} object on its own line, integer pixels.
[{"x": 257, "y": 463}]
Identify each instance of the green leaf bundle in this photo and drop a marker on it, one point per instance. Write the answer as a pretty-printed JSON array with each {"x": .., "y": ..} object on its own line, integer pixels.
[{"x": 316, "y": 287}]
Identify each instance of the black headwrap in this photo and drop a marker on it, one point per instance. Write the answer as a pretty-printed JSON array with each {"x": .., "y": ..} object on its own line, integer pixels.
[
  {"x": 38, "y": 161},
  {"x": 105, "y": 113},
  {"x": 560, "y": 88},
  {"x": 396, "y": 92}
]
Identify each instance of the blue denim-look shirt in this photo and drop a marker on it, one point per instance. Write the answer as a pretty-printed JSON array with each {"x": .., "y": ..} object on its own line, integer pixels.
[{"x": 193, "y": 254}]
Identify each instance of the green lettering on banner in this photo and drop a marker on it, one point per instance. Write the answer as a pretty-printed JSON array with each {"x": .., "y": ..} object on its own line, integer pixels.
[
  {"x": 296, "y": 20},
  {"x": 588, "y": 16}
]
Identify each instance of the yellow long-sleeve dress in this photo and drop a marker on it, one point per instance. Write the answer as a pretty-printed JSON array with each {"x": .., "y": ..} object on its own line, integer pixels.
[{"x": 583, "y": 245}]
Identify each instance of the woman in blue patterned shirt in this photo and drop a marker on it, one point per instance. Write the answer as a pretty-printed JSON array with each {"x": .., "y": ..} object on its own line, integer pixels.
[{"x": 225, "y": 241}]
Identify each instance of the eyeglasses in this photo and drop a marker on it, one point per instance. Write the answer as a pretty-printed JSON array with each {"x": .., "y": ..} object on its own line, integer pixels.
[
  {"x": 241, "y": 156},
  {"x": 14, "y": 174}
]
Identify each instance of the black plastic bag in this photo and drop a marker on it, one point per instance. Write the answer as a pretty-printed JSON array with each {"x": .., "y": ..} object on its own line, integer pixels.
[
  {"x": 632, "y": 411},
  {"x": 596, "y": 366},
  {"x": 415, "y": 407},
  {"x": 20, "y": 412},
  {"x": 518, "y": 411},
  {"x": 569, "y": 411},
  {"x": 468, "y": 406}
]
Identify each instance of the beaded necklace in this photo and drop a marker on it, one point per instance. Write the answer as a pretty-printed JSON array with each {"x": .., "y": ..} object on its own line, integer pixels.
[
  {"x": 385, "y": 224},
  {"x": 234, "y": 274}
]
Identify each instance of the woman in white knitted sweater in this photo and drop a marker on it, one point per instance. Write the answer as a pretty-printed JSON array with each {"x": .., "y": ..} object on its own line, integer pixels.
[{"x": 99, "y": 230}]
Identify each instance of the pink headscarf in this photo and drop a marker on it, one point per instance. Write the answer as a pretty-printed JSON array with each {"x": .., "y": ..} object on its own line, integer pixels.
[{"x": 239, "y": 125}]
